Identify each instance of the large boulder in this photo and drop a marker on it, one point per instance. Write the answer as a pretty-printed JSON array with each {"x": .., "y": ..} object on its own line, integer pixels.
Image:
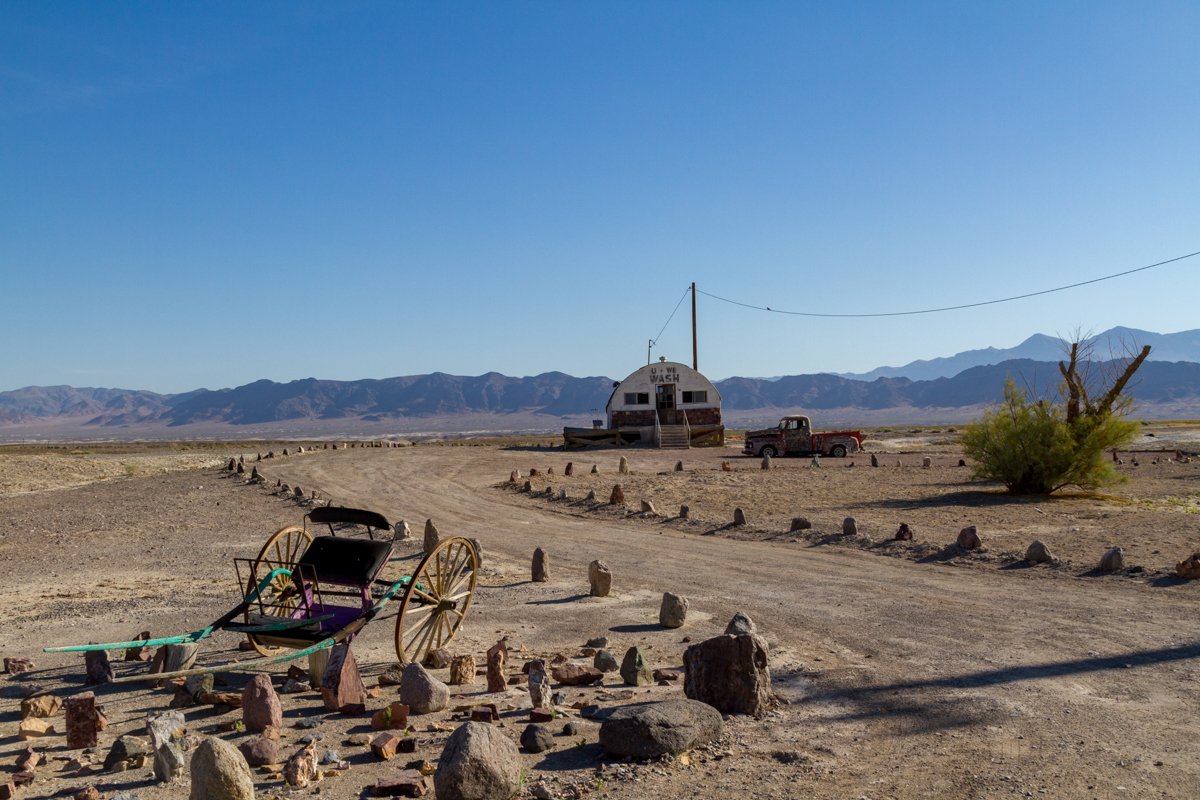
[
  {"x": 421, "y": 692},
  {"x": 260, "y": 704},
  {"x": 479, "y": 762},
  {"x": 648, "y": 730},
  {"x": 259, "y": 750},
  {"x": 537, "y": 738},
  {"x": 220, "y": 773},
  {"x": 729, "y": 673}
]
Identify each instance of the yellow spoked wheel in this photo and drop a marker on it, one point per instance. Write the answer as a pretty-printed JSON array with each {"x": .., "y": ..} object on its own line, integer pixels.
[
  {"x": 279, "y": 598},
  {"x": 436, "y": 600}
]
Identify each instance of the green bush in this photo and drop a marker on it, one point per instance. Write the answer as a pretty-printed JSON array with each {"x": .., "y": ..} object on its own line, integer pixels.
[{"x": 1031, "y": 447}]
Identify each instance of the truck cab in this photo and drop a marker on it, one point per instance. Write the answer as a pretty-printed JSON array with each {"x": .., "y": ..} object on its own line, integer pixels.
[{"x": 794, "y": 436}]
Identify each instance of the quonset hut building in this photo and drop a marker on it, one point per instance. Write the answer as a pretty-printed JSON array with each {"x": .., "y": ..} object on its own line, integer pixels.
[{"x": 668, "y": 405}]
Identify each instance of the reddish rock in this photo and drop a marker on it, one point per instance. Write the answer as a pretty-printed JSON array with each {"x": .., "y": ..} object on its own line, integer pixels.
[
  {"x": 617, "y": 496},
  {"x": 34, "y": 728},
  {"x": 384, "y": 745},
  {"x": 28, "y": 760},
  {"x": 904, "y": 534},
  {"x": 353, "y": 709},
  {"x": 485, "y": 713},
  {"x": 541, "y": 715},
  {"x": 83, "y": 722},
  {"x": 231, "y": 699},
  {"x": 496, "y": 657},
  {"x": 15, "y": 665},
  {"x": 41, "y": 705},
  {"x": 23, "y": 778},
  {"x": 570, "y": 470},
  {"x": 968, "y": 538},
  {"x": 296, "y": 673},
  {"x": 1189, "y": 568},
  {"x": 8, "y": 790},
  {"x": 576, "y": 675},
  {"x": 462, "y": 671},
  {"x": 341, "y": 685},
  {"x": 301, "y": 768},
  {"x": 407, "y": 783},
  {"x": 260, "y": 704},
  {"x": 394, "y": 716},
  {"x": 438, "y": 659},
  {"x": 667, "y": 674},
  {"x": 138, "y": 653},
  {"x": 157, "y": 663},
  {"x": 259, "y": 751}
]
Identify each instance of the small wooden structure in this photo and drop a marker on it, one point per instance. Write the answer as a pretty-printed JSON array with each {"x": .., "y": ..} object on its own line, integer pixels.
[{"x": 667, "y": 404}]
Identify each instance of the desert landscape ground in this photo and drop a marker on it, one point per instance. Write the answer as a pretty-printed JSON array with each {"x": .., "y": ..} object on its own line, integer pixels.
[{"x": 902, "y": 669}]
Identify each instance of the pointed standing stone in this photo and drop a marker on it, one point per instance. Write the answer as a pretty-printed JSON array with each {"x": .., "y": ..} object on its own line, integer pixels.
[
  {"x": 496, "y": 656},
  {"x": 462, "y": 671},
  {"x": 684, "y": 511},
  {"x": 739, "y": 516},
  {"x": 260, "y": 704},
  {"x": 600, "y": 578},
  {"x": 539, "y": 684},
  {"x": 623, "y": 468},
  {"x": 617, "y": 497},
  {"x": 634, "y": 670},
  {"x": 541, "y": 566},
  {"x": 874, "y": 460},
  {"x": 850, "y": 526},
  {"x": 595, "y": 469},
  {"x": 167, "y": 732},
  {"x": 570, "y": 470},
  {"x": 766, "y": 462},
  {"x": 432, "y": 538},
  {"x": 341, "y": 685}
]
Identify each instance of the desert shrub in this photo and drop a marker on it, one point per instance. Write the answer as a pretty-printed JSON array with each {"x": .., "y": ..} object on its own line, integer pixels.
[{"x": 1031, "y": 448}]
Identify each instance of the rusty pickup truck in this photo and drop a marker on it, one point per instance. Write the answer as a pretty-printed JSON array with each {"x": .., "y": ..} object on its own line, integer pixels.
[{"x": 794, "y": 436}]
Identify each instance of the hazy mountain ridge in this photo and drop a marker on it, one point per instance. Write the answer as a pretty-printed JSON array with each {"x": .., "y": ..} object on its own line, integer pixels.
[
  {"x": 1182, "y": 346},
  {"x": 553, "y": 394}
]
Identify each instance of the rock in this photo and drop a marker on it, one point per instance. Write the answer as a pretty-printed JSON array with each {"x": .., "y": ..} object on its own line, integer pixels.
[
  {"x": 34, "y": 728},
  {"x": 800, "y": 524},
  {"x": 301, "y": 768},
  {"x": 318, "y": 662},
  {"x": 241, "y": 470},
  {"x": 766, "y": 462},
  {"x": 648, "y": 507},
  {"x": 405, "y": 783},
  {"x": 167, "y": 733},
  {"x": 297, "y": 491},
  {"x": 514, "y": 476},
  {"x": 231, "y": 699},
  {"x": 438, "y": 658},
  {"x": 1112, "y": 561},
  {"x": 181, "y": 657},
  {"x": 479, "y": 762},
  {"x": 729, "y": 673},
  {"x": 617, "y": 496},
  {"x": 968, "y": 538},
  {"x": 478, "y": 550},
  {"x": 591, "y": 495},
  {"x": 28, "y": 760},
  {"x": 623, "y": 467},
  {"x": 684, "y": 511},
  {"x": 541, "y": 566},
  {"x": 570, "y": 470},
  {"x": 462, "y": 671},
  {"x": 198, "y": 685},
  {"x": 600, "y": 578},
  {"x": 395, "y": 715},
  {"x": 83, "y": 722},
  {"x": 220, "y": 773},
  {"x": 537, "y": 738},
  {"x": 549, "y": 491},
  {"x": 260, "y": 704},
  {"x": 432, "y": 537},
  {"x": 576, "y": 675},
  {"x": 927, "y": 462},
  {"x": 90, "y": 793},
  {"x": 384, "y": 745},
  {"x": 232, "y": 466},
  {"x": 633, "y": 668},
  {"x": 259, "y": 751},
  {"x": 874, "y": 460},
  {"x": 550, "y": 470},
  {"x": 649, "y": 730},
  {"x": 497, "y": 655},
  {"x": 40, "y": 706},
  {"x": 595, "y": 469},
  {"x": 1189, "y": 568},
  {"x": 673, "y": 611},
  {"x": 739, "y": 516},
  {"x": 849, "y": 527},
  {"x": 533, "y": 472},
  {"x": 403, "y": 532},
  {"x": 539, "y": 684},
  {"x": 97, "y": 667},
  {"x": 137, "y": 653},
  {"x": 962, "y": 463},
  {"x": 598, "y": 642},
  {"x": 1038, "y": 553},
  {"x": 421, "y": 692},
  {"x": 125, "y": 748},
  {"x": 740, "y": 624},
  {"x": 667, "y": 675},
  {"x": 605, "y": 661}
]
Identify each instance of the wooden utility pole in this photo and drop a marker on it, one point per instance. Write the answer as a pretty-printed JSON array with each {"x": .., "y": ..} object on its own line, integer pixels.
[{"x": 695, "y": 363}]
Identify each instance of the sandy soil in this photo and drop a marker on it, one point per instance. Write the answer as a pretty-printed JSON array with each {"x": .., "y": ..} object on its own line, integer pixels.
[{"x": 902, "y": 677}]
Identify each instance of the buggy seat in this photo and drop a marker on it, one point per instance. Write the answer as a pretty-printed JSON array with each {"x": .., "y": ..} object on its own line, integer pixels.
[{"x": 346, "y": 562}]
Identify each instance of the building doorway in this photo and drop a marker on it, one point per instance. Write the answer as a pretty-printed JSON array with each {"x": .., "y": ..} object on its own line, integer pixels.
[{"x": 665, "y": 397}]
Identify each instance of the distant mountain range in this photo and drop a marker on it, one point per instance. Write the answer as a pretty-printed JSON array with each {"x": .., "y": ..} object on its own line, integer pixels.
[
  {"x": 1183, "y": 346},
  {"x": 1163, "y": 389}
]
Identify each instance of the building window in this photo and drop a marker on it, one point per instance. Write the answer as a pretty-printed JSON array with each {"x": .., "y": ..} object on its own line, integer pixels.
[
  {"x": 695, "y": 397},
  {"x": 637, "y": 398}
]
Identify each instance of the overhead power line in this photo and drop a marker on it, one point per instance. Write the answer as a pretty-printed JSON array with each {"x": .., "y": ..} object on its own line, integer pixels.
[
  {"x": 946, "y": 308},
  {"x": 654, "y": 341}
]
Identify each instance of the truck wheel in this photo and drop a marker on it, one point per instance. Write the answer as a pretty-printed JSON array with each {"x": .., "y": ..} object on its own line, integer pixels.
[
  {"x": 838, "y": 451},
  {"x": 769, "y": 450}
]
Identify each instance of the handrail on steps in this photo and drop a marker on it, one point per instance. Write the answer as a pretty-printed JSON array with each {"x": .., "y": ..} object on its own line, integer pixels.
[{"x": 657, "y": 430}]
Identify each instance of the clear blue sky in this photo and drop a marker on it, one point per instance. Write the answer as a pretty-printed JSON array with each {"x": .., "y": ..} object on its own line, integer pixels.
[{"x": 208, "y": 194}]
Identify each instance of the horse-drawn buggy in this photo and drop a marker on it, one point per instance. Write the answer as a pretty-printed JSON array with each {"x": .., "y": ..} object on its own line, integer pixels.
[{"x": 305, "y": 593}]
